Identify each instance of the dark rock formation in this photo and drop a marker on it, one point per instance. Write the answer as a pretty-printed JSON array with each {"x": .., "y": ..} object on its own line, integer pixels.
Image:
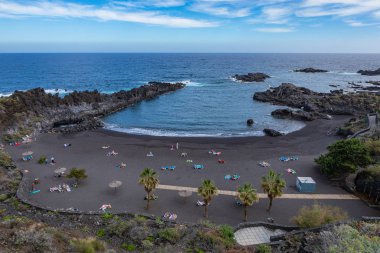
[
  {"x": 272, "y": 132},
  {"x": 75, "y": 112},
  {"x": 297, "y": 115},
  {"x": 370, "y": 72},
  {"x": 334, "y": 103},
  {"x": 311, "y": 70},
  {"x": 250, "y": 122},
  {"x": 374, "y": 82},
  {"x": 252, "y": 77}
]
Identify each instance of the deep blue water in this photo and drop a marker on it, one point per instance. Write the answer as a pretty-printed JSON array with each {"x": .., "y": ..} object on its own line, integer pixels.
[{"x": 212, "y": 104}]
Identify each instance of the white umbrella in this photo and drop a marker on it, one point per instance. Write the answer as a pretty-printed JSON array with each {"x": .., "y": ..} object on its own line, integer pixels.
[{"x": 115, "y": 184}]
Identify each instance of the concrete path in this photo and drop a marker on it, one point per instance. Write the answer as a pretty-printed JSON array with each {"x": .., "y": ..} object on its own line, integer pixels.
[{"x": 263, "y": 195}]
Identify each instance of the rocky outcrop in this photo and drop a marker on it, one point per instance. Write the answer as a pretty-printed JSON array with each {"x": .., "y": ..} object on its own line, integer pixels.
[
  {"x": 250, "y": 122},
  {"x": 298, "y": 115},
  {"x": 252, "y": 77},
  {"x": 320, "y": 104},
  {"x": 369, "y": 72},
  {"x": 75, "y": 112},
  {"x": 311, "y": 70},
  {"x": 272, "y": 132}
]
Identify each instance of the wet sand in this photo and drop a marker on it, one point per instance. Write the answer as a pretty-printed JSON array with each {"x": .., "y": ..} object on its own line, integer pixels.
[{"x": 241, "y": 156}]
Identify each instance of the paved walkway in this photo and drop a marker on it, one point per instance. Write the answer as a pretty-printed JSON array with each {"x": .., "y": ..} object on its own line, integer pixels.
[{"x": 263, "y": 195}]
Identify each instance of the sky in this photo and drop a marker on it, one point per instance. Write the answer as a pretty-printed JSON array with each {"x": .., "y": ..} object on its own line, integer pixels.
[{"x": 212, "y": 26}]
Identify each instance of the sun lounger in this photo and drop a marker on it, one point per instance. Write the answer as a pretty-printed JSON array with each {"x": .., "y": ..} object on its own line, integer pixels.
[
  {"x": 189, "y": 161},
  {"x": 264, "y": 164},
  {"x": 105, "y": 147},
  {"x": 200, "y": 203},
  {"x": 150, "y": 154},
  {"x": 198, "y": 166},
  {"x": 294, "y": 158}
]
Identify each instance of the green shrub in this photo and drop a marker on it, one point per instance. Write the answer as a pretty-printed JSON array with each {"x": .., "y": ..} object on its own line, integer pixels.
[
  {"x": 128, "y": 247},
  {"x": 101, "y": 232},
  {"x": 147, "y": 244},
  {"x": 5, "y": 159},
  {"x": 118, "y": 228},
  {"x": 169, "y": 234},
  {"x": 90, "y": 245},
  {"x": 317, "y": 215},
  {"x": 107, "y": 216},
  {"x": 3, "y": 197},
  {"x": 347, "y": 239},
  {"x": 373, "y": 147},
  {"x": 227, "y": 233},
  {"x": 263, "y": 248},
  {"x": 343, "y": 157},
  {"x": 42, "y": 160}
]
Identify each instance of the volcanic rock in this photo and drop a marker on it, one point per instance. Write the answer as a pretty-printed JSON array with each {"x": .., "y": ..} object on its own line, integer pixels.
[
  {"x": 369, "y": 72},
  {"x": 272, "y": 132},
  {"x": 252, "y": 77},
  {"x": 310, "y": 70}
]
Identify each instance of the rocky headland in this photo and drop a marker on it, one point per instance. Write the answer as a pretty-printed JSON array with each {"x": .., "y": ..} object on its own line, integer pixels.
[
  {"x": 252, "y": 77},
  {"x": 76, "y": 111},
  {"x": 312, "y": 105},
  {"x": 310, "y": 70},
  {"x": 369, "y": 72}
]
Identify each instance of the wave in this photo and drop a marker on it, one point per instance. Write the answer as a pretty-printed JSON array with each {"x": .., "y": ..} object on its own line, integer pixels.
[
  {"x": 59, "y": 91},
  {"x": 6, "y": 94},
  {"x": 189, "y": 83},
  {"x": 343, "y": 73},
  {"x": 168, "y": 133}
]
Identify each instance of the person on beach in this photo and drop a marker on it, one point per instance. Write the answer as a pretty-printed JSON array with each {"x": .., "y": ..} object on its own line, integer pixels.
[
  {"x": 52, "y": 160},
  {"x": 177, "y": 145}
]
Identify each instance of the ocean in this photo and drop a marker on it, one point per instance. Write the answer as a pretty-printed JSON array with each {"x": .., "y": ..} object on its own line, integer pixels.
[{"x": 212, "y": 104}]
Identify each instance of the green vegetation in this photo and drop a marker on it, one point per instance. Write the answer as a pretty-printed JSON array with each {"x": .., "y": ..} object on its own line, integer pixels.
[
  {"x": 317, "y": 215},
  {"x": 101, "y": 233},
  {"x": 352, "y": 239},
  {"x": 107, "y": 216},
  {"x": 42, "y": 160},
  {"x": 343, "y": 157},
  {"x": 263, "y": 248},
  {"x": 207, "y": 190},
  {"x": 247, "y": 195},
  {"x": 77, "y": 174},
  {"x": 169, "y": 234},
  {"x": 227, "y": 233},
  {"x": 373, "y": 147},
  {"x": 273, "y": 185},
  {"x": 90, "y": 245},
  {"x": 5, "y": 159},
  {"x": 128, "y": 247},
  {"x": 149, "y": 179}
]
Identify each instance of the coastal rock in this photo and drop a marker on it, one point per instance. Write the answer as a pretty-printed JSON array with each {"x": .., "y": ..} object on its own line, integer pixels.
[
  {"x": 295, "y": 114},
  {"x": 252, "y": 77},
  {"x": 272, "y": 132},
  {"x": 369, "y": 72},
  {"x": 250, "y": 122},
  {"x": 310, "y": 70},
  {"x": 76, "y": 111},
  {"x": 325, "y": 104}
]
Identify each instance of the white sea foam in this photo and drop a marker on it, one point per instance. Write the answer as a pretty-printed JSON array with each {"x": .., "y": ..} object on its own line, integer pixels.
[
  {"x": 6, "y": 94},
  {"x": 59, "y": 91},
  {"x": 189, "y": 83},
  {"x": 343, "y": 73}
]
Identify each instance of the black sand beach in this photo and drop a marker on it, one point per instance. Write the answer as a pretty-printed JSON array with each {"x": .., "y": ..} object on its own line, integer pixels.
[{"x": 241, "y": 156}]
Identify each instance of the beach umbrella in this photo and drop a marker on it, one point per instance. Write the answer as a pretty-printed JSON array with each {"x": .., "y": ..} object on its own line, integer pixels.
[
  {"x": 60, "y": 170},
  {"x": 27, "y": 153},
  {"x": 115, "y": 184},
  {"x": 185, "y": 194}
]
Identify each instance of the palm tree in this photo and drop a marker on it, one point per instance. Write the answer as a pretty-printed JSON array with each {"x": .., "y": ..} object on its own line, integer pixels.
[
  {"x": 247, "y": 195},
  {"x": 273, "y": 185},
  {"x": 207, "y": 190},
  {"x": 149, "y": 179}
]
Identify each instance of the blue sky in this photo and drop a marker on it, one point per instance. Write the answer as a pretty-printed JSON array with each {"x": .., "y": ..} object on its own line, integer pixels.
[{"x": 314, "y": 26}]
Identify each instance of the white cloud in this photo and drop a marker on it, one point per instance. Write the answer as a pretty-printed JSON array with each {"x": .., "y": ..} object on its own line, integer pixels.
[
  {"x": 220, "y": 8},
  {"x": 275, "y": 29},
  {"x": 105, "y": 13},
  {"x": 155, "y": 3}
]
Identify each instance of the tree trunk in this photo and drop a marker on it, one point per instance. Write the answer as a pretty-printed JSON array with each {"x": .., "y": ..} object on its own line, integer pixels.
[
  {"x": 147, "y": 202},
  {"x": 270, "y": 203},
  {"x": 245, "y": 213},
  {"x": 206, "y": 211}
]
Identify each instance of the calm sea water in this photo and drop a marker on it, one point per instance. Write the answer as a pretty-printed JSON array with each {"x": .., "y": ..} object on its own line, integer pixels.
[{"x": 212, "y": 104}]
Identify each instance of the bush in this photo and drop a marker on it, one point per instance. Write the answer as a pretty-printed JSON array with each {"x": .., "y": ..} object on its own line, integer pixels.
[
  {"x": 101, "y": 232},
  {"x": 227, "y": 233},
  {"x": 107, "y": 216},
  {"x": 42, "y": 160},
  {"x": 169, "y": 234},
  {"x": 347, "y": 239},
  {"x": 317, "y": 215},
  {"x": 128, "y": 247},
  {"x": 35, "y": 240},
  {"x": 263, "y": 248},
  {"x": 5, "y": 159},
  {"x": 147, "y": 244},
  {"x": 90, "y": 245},
  {"x": 373, "y": 147},
  {"x": 343, "y": 157},
  {"x": 118, "y": 228},
  {"x": 3, "y": 197}
]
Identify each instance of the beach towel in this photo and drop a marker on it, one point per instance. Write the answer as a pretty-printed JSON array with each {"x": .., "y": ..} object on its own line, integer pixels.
[
  {"x": 227, "y": 177},
  {"x": 35, "y": 191}
]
